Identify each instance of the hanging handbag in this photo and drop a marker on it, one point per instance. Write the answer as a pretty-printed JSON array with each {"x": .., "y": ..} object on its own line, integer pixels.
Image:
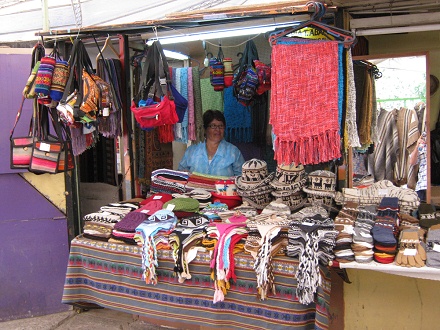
[
  {"x": 50, "y": 151},
  {"x": 217, "y": 71},
  {"x": 82, "y": 112},
  {"x": 21, "y": 147},
  {"x": 264, "y": 76},
  {"x": 158, "y": 108},
  {"x": 156, "y": 114},
  {"x": 29, "y": 89},
  {"x": 246, "y": 81}
]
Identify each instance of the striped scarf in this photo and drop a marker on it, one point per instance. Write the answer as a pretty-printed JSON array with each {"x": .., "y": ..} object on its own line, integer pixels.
[
  {"x": 408, "y": 133},
  {"x": 381, "y": 161}
]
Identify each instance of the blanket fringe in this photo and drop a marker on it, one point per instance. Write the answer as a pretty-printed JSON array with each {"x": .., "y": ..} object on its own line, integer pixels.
[{"x": 309, "y": 150}]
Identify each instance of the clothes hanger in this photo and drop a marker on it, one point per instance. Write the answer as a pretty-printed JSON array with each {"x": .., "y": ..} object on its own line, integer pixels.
[
  {"x": 341, "y": 36},
  {"x": 108, "y": 43}
]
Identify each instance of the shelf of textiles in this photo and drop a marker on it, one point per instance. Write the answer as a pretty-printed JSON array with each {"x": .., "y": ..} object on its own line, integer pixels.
[{"x": 387, "y": 229}]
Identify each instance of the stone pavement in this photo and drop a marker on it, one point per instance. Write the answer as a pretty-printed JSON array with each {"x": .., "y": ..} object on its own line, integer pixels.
[{"x": 76, "y": 319}]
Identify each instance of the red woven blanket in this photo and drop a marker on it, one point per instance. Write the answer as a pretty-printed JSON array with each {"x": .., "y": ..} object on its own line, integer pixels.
[{"x": 304, "y": 102}]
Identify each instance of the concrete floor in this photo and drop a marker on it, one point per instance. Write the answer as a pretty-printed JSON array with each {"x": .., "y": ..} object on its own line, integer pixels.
[{"x": 75, "y": 319}]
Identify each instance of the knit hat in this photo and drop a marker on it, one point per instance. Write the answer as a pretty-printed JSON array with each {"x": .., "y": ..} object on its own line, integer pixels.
[
  {"x": 162, "y": 215},
  {"x": 294, "y": 200},
  {"x": 321, "y": 186},
  {"x": 259, "y": 200},
  {"x": 246, "y": 209},
  {"x": 321, "y": 183},
  {"x": 254, "y": 175},
  {"x": 182, "y": 204},
  {"x": 289, "y": 178},
  {"x": 276, "y": 207},
  {"x": 150, "y": 207},
  {"x": 194, "y": 221},
  {"x": 163, "y": 197},
  {"x": 131, "y": 221},
  {"x": 427, "y": 215}
]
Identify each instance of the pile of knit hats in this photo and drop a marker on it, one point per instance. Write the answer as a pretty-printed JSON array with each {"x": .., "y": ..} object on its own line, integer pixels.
[
  {"x": 168, "y": 181},
  {"x": 99, "y": 225},
  {"x": 433, "y": 247},
  {"x": 224, "y": 239},
  {"x": 202, "y": 195},
  {"x": 321, "y": 186},
  {"x": 385, "y": 230},
  {"x": 188, "y": 232},
  {"x": 428, "y": 215},
  {"x": 344, "y": 224},
  {"x": 253, "y": 184},
  {"x": 213, "y": 210},
  {"x": 372, "y": 195},
  {"x": 311, "y": 240},
  {"x": 363, "y": 242},
  {"x": 162, "y": 220},
  {"x": 276, "y": 207},
  {"x": 288, "y": 183},
  {"x": 271, "y": 231}
]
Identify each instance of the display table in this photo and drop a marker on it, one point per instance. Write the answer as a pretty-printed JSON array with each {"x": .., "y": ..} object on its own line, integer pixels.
[{"x": 110, "y": 275}]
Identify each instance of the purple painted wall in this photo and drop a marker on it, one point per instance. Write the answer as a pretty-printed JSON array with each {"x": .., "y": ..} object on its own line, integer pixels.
[
  {"x": 14, "y": 72},
  {"x": 34, "y": 246},
  {"x": 34, "y": 251}
]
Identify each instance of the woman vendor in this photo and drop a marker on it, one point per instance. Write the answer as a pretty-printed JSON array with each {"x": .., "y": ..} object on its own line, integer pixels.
[{"x": 214, "y": 156}]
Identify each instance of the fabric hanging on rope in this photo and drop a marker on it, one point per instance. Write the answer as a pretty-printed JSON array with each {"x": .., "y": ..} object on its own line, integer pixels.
[
  {"x": 211, "y": 100},
  {"x": 305, "y": 102},
  {"x": 181, "y": 129},
  {"x": 198, "y": 108},
  {"x": 381, "y": 162},
  {"x": 238, "y": 119},
  {"x": 109, "y": 125},
  {"x": 176, "y": 82},
  {"x": 351, "y": 137},
  {"x": 191, "y": 118}
]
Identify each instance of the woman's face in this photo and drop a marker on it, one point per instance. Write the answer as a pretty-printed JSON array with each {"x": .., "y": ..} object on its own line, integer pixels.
[{"x": 215, "y": 131}]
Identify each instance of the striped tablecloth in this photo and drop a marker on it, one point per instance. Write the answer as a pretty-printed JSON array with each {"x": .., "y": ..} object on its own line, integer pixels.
[{"x": 109, "y": 275}]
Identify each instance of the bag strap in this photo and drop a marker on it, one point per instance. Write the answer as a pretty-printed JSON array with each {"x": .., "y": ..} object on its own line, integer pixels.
[
  {"x": 17, "y": 117},
  {"x": 38, "y": 52},
  {"x": 79, "y": 60},
  {"x": 163, "y": 71}
]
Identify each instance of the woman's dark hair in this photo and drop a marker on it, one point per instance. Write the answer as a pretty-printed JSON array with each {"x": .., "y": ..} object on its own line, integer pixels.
[{"x": 210, "y": 115}]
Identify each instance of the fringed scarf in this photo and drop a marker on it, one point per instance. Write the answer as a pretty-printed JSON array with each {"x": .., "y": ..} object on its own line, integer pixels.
[
  {"x": 176, "y": 83},
  {"x": 198, "y": 110},
  {"x": 351, "y": 137},
  {"x": 238, "y": 119},
  {"x": 184, "y": 93},
  {"x": 82, "y": 141},
  {"x": 305, "y": 102},
  {"x": 191, "y": 118},
  {"x": 110, "y": 71}
]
